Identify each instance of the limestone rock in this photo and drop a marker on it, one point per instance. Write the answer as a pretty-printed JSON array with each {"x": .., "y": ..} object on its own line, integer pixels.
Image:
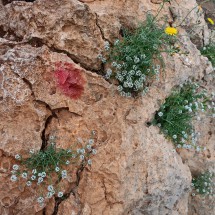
[
  {"x": 67, "y": 26},
  {"x": 136, "y": 170}
]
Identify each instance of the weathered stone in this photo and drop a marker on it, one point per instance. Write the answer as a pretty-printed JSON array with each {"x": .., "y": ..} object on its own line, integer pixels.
[
  {"x": 136, "y": 170},
  {"x": 64, "y": 25}
]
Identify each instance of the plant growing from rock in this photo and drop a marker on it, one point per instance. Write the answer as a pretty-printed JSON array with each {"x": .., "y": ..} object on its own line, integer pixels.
[
  {"x": 136, "y": 59},
  {"x": 175, "y": 115},
  {"x": 204, "y": 184},
  {"x": 209, "y": 52},
  {"x": 70, "y": 79},
  {"x": 46, "y": 169}
]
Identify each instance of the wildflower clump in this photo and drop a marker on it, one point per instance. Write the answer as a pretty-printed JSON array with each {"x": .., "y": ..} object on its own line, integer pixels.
[
  {"x": 204, "y": 184},
  {"x": 69, "y": 79},
  {"x": 46, "y": 169},
  {"x": 209, "y": 52},
  {"x": 175, "y": 115},
  {"x": 136, "y": 59}
]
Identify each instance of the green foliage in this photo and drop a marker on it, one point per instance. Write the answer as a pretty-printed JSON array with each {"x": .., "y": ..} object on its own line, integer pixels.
[
  {"x": 175, "y": 116},
  {"x": 209, "y": 52},
  {"x": 204, "y": 184},
  {"x": 48, "y": 167},
  {"x": 136, "y": 58}
]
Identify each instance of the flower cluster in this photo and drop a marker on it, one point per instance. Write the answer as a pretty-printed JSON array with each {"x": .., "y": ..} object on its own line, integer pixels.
[
  {"x": 175, "y": 116},
  {"x": 136, "y": 59},
  {"x": 204, "y": 184},
  {"x": 45, "y": 168},
  {"x": 209, "y": 52}
]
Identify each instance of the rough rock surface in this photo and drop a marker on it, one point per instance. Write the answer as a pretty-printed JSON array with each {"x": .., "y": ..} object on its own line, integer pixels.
[{"x": 136, "y": 171}]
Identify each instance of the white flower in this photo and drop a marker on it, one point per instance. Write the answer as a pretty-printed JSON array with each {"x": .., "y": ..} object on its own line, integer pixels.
[
  {"x": 185, "y": 135},
  {"x": 15, "y": 167},
  {"x": 34, "y": 171},
  {"x": 82, "y": 157},
  {"x": 159, "y": 125},
  {"x": 89, "y": 147},
  {"x": 174, "y": 136},
  {"x": 28, "y": 183},
  {"x": 51, "y": 137},
  {"x": 67, "y": 162},
  {"x": 99, "y": 56},
  {"x": 114, "y": 64},
  {"x": 205, "y": 183},
  {"x": 107, "y": 45},
  {"x": 89, "y": 162},
  {"x": 82, "y": 151},
  {"x": 69, "y": 150},
  {"x": 116, "y": 42},
  {"x": 13, "y": 178},
  {"x": 24, "y": 175},
  {"x": 180, "y": 111},
  {"x": 197, "y": 190},
  {"x": 40, "y": 199},
  {"x": 179, "y": 146},
  {"x": 50, "y": 188},
  {"x": 94, "y": 151},
  {"x": 91, "y": 141},
  {"x": 43, "y": 174},
  {"x": 33, "y": 177},
  {"x": 192, "y": 184},
  {"x": 136, "y": 59},
  {"x": 60, "y": 194},
  {"x": 160, "y": 114},
  {"x": 203, "y": 190},
  {"x": 49, "y": 195},
  {"x": 31, "y": 151},
  {"x": 193, "y": 194},
  {"x": 198, "y": 149},
  {"x": 64, "y": 174},
  {"x": 40, "y": 180},
  {"x": 57, "y": 169},
  {"x": 18, "y": 157}
]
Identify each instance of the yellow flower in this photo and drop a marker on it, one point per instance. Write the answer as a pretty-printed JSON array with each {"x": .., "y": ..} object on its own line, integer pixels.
[
  {"x": 211, "y": 21},
  {"x": 171, "y": 31}
]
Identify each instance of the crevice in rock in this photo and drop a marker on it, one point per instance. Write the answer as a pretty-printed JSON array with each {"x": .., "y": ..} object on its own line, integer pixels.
[
  {"x": 54, "y": 114},
  {"x": 173, "y": 15},
  {"x": 74, "y": 58},
  {"x": 43, "y": 136},
  {"x": 72, "y": 191},
  {"x": 9, "y": 34},
  {"x": 100, "y": 29},
  {"x": 44, "y": 211},
  {"x": 2, "y": 32}
]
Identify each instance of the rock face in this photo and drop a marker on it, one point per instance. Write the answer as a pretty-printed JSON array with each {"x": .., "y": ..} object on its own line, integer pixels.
[{"x": 136, "y": 171}]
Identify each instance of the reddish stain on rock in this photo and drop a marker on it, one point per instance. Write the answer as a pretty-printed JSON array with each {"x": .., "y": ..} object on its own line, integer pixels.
[{"x": 69, "y": 79}]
